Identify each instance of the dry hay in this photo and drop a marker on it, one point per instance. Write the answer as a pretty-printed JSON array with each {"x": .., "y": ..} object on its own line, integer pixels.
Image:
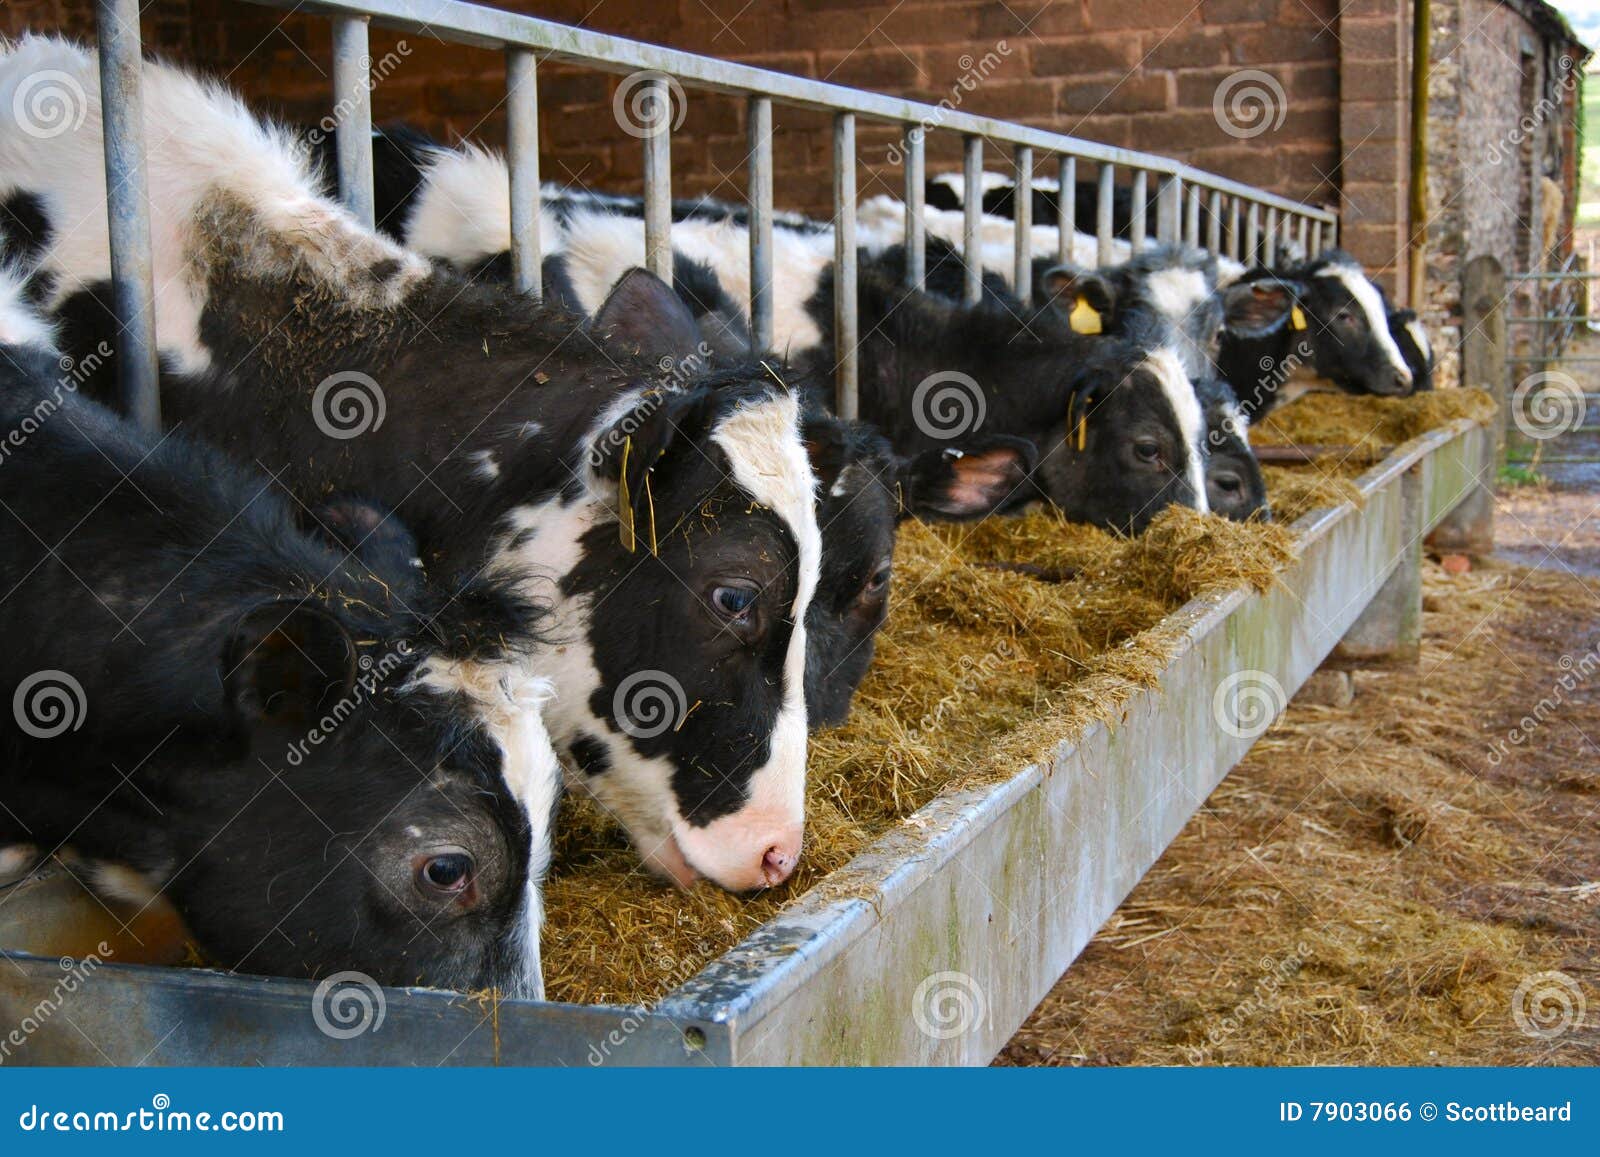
[
  {"x": 1005, "y": 637},
  {"x": 1366, "y": 888},
  {"x": 1368, "y": 423}
]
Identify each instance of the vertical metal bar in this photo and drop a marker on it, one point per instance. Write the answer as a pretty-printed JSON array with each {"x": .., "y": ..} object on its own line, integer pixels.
[
  {"x": 1191, "y": 222},
  {"x": 1269, "y": 239},
  {"x": 1104, "y": 220},
  {"x": 657, "y": 118},
  {"x": 1214, "y": 222},
  {"x": 522, "y": 155},
  {"x": 1169, "y": 208},
  {"x": 1022, "y": 205},
  {"x": 1302, "y": 236},
  {"x": 1316, "y": 238},
  {"x": 352, "y": 96},
  {"x": 1333, "y": 233},
  {"x": 1067, "y": 209},
  {"x": 971, "y": 225},
  {"x": 1236, "y": 249},
  {"x": 845, "y": 325},
  {"x": 1138, "y": 225},
  {"x": 758, "y": 126},
  {"x": 128, "y": 211},
  {"x": 916, "y": 222},
  {"x": 1252, "y": 237}
]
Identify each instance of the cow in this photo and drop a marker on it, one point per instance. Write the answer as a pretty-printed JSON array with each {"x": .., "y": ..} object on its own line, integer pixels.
[
  {"x": 668, "y": 525},
  {"x": 1173, "y": 289},
  {"x": 214, "y": 706},
  {"x": 1288, "y": 330},
  {"x": 1411, "y": 336}
]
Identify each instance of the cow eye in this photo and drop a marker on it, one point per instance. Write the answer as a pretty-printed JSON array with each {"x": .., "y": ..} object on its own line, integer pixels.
[
  {"x": 447, "y": 873},
  {"x": 734, "y": 602},
  {"x": 1348, "y": 319},
  {"x": 1148, "y": 450},
  {"x": 1229, "y": 483},
  {"x": 878, "y": 580}
]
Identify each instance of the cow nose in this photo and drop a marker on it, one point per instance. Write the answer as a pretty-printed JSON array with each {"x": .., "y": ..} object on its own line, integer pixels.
[{"x": 779, "y": 862}]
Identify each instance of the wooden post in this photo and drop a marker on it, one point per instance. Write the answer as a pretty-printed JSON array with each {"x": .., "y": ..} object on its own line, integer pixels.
[{"x": 1483, "y": 339}]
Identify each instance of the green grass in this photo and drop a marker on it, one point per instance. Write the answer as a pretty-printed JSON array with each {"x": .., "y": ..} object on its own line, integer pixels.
[{"x": 1515, "y": 474}]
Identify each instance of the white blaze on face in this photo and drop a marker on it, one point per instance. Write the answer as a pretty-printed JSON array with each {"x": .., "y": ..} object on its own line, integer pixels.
[
  {"x": 770, "y": 464},
  {"x": 1419, "y": 335},
  {"x": 1371, "y": 303},
  {"x": 1167, "y": 369},
  {"x": 510, "y": 703}
]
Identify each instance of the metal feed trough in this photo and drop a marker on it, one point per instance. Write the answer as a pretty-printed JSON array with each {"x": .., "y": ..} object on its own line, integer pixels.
[{"x": 983, "y": 897}]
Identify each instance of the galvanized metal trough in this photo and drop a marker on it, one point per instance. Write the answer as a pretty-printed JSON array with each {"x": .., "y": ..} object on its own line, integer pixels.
[{"x": 929, "y": 948}]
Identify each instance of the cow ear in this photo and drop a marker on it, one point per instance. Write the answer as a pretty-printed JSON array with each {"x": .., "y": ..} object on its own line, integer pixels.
[
  {"x": 1087, "y": 300},
  {"x": 642, "y": 315},
  {"x": 974, "y": 480},
  {"x": 627, "y": 452},
  {"x": 367, "y": 530},
  {"x": 286, "y": 664},
  {"x": 1256, "y": 308}
]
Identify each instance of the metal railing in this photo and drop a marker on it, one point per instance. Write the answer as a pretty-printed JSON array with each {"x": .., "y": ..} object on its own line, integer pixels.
[{"x": 527, "y": 39}]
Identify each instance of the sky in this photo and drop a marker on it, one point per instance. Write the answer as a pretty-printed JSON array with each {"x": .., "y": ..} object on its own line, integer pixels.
[{"x": 1584, "y": 16}]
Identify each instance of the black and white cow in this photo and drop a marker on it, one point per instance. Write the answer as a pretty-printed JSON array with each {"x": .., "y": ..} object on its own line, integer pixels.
[
  {"x": 215, "y": 707},
  {"x": 1411, "y": 336},
  {"x": 669, "y": 526},
  {"x": 1176, "y": 289},
  {"x": 1286, "y": 331}
]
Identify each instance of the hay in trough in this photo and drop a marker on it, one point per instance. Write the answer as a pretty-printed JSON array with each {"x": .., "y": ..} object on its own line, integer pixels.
[
  {"x": 1368, "y": 423},
  {"x": 1004, "y": 638},
  {"x": 1297, "y": 491}
]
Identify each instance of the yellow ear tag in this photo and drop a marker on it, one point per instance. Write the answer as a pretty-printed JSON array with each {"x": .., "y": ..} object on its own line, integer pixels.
[
  {"x": 1083, "y": 432},
  {"x": 1084, "y": 318},
  {"x": 625, "y": 500},
  {"x": 1297, "y": 317}
]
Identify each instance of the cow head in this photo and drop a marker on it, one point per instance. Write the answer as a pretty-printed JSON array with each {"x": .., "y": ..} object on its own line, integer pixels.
[
  {"x": 1411, "y": 336},
  {"x": 1324, "y": 320}
]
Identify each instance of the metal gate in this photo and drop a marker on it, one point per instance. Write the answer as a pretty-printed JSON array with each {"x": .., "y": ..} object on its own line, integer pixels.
[{"x": 1553, "y": 365}]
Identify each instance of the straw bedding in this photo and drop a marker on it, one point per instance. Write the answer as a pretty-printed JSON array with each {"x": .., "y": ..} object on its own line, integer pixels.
[{"x": 1003, "y": 639}]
